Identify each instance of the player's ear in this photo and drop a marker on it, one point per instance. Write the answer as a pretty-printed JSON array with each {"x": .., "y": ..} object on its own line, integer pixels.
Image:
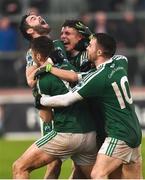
[
  {"x": 99, "y": 52},
  {"x": 30, "y": 31},
  {"x": 38, "y": 56}
]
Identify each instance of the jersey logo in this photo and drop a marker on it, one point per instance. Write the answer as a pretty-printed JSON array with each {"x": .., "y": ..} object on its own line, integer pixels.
[{"x": 112, "y": 65}]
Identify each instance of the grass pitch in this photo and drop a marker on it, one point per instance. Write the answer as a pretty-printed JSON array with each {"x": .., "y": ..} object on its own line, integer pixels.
[{"x": 11, "y": 150}]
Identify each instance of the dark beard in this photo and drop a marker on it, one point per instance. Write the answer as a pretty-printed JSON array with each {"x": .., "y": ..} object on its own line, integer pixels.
[{"x": 41, "y": 30}]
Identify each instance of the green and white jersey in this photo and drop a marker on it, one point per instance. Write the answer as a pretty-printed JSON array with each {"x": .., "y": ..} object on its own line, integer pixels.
[
  {"x": 78, "y": 59},
  {"x": 72, "y": 119},
  {"x": 109, "y": 86},
  {"x": 57, "y": 45}
]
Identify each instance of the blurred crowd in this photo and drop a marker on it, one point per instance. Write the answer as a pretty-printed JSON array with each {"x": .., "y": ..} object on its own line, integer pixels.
[{"x": 123, "y": 19}]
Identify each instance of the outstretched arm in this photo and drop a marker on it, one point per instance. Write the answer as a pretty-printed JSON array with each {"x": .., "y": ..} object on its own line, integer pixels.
[
  {"x": 60, "y": 100},
  {"x": 66, "y": 75}
]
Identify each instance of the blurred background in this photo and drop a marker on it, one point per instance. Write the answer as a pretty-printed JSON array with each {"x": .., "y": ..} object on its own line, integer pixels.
[{"x": 123, "y": 19}]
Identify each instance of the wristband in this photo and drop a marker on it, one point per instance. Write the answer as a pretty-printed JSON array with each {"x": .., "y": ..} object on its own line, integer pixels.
[{"x": 48, "y": 67}]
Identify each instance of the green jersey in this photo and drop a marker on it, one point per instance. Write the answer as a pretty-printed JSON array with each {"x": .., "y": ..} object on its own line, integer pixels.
[
  {"x": 78, "y": 59},
  {"x": 73, "y": 119},
  {"x": 108, "y": 86},
  {"x": 58, "y": 45}
]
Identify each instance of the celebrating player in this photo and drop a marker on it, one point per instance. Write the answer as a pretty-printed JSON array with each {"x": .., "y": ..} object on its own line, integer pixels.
[{"x": 107, "y": 84}]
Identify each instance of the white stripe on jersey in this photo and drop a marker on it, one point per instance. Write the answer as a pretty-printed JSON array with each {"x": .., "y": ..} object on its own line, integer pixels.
[
  {"x": 84, "y": 57},
  {"x": 118, "y": 57},
  {"x": 88, "y": 78}
]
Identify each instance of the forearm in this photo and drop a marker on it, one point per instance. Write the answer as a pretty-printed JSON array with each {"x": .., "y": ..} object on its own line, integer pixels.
[
  {"x": 66, "y": 75},
  {"x": 46, "y": 114},
  {"x": 60, "y": 100},
  {"x": 30, "y": 72}
]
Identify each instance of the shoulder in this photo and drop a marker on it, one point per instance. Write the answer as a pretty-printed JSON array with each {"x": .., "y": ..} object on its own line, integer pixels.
[{"x": 120, "y": 57}]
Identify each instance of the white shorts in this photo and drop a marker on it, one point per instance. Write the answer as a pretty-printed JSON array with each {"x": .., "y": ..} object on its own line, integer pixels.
[
  {"x": 81, "y": 148},
  {"x": 119, "y": 149}
]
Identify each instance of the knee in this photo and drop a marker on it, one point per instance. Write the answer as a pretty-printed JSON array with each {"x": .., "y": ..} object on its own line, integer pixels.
[
  {"x": 98, "y": 174},
  {"x": 17, "y": 167},
  {"x": 93, "y": 174}
]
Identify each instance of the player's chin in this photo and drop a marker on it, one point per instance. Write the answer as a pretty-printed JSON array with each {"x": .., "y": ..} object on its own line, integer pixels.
[
  {"x": 48, "y": 29},
  {"x": 68, "y": 48}
]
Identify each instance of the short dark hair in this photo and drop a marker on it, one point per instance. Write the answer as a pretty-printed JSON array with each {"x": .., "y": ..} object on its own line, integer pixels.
[
  {"x": 43, "y": 45},
  {"x": 72, "y": 23},
  {"x": 24, "y": 27},
  {"x": 107, "y": 42}
]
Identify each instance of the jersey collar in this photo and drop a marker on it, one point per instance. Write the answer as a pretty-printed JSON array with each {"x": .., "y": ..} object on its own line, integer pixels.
[{"x": 106, "y": 62}]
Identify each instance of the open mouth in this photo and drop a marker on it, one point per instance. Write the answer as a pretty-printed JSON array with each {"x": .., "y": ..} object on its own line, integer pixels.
[
  {"x": 42, "y": 21},
  {"x": 66, "y": 43}
]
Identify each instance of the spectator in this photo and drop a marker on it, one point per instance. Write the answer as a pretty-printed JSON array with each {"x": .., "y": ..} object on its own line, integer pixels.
[
  {"x": 117, "y": 5},
  {"x": 97, "y": 5},
  {"x": 41, "y": 5},
  {"x": 100, "y": 24},
  {"x": 1, "y": 120},
  {"x": 8, "y": 35},
  {"x": 74, "y": 7},
  {"x": 10, "y": 7},
  {"x": 8, "y": 43},
  {"x": 130, "y": 36}
]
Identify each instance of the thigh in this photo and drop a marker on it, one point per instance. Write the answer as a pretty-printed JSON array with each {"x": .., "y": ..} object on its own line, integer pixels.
[
  {"x": 34, "y": 158},
  {"x": 116, "y": 148},
  {"x": 133, "y": 170},
  {"x": 116, "y": 174},
  {"x": 104, "y": 166},
  {"x": 87, "y": 152}
]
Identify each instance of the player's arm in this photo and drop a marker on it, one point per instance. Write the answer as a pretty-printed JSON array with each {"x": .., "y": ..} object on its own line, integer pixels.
[
  {"x": 66, "y": 75},
  {"x": 31, "y": 69},
  {"x": 30, "y": 72},
  {"x": 46, "y": 114},
  {"x": 60, "y": 100}
]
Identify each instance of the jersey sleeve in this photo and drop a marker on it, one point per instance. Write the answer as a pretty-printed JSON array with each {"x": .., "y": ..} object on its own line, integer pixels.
[
  {"x": 92, "y": 85},
  {"x": 122, "y": 60}
]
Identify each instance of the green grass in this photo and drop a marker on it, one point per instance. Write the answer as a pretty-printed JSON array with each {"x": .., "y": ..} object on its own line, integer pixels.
[{"x": 11, "y": 150}]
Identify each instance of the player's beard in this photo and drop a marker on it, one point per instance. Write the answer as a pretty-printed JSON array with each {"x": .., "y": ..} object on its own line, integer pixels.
[{"x": 41, "y": 30}]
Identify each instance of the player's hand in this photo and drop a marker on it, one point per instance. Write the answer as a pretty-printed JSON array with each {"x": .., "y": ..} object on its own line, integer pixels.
[
  {"x": 57, "y": 56},
  {"x": 37, "y": 98},
  {"x": 84, "y": 30},
  {"x": 43, "y": 70},
  {"x": 82, "y": 44}
]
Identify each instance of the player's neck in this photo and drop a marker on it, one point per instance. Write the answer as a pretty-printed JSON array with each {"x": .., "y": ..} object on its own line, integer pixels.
[
  {"x": 99, "y": 60},
  {"x": 74, "y": 53}
]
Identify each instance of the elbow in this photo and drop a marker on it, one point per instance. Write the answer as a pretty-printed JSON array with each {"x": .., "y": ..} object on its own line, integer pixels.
[{"x": 31, "y": 83}]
